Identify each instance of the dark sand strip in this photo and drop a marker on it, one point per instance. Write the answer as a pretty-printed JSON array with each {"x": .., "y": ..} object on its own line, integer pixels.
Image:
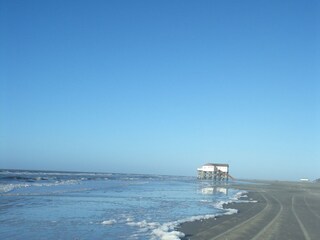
[{"x": 285, "y": 210}]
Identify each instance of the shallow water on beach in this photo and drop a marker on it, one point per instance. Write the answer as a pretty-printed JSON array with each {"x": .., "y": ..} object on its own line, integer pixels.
[{"x": 65, "y": 205}]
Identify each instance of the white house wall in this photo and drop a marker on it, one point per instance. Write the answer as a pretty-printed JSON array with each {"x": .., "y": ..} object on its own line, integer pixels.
[
  {"x": 206, "y": 168},
  {"x": 222, "y": 168},
  {"x": 211, "y": 168}
]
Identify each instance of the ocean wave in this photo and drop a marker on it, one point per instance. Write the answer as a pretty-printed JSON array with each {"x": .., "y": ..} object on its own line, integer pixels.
[
  {"x": 22, "y": 178},
  {"x": 168, "y": 230},
  {"x": 8, "y": 177},
  {"x": 5, "y": 188},
  {"x": 109, "y": 222}
]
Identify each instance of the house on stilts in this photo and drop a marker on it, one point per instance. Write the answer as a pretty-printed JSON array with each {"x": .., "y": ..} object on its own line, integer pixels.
[{"x": 214, "y": 171}]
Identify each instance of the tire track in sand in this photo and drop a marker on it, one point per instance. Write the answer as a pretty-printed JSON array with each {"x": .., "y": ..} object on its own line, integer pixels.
[
  {"x": 272, "y": 222},
  {"x": 309, "y": 208},
  {"x": 305, "y": 232},
  {"x": 247, "y": 223}
]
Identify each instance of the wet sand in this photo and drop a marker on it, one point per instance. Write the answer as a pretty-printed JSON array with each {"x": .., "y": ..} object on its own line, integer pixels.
[{"x": 284, "y": 211}]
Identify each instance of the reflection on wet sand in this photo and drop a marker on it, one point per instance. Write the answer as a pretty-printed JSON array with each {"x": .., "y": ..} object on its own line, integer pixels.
[{"x": 214, "y": 190}]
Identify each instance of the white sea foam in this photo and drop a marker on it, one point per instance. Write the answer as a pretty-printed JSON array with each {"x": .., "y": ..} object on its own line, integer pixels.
[
  {"x": 238, "y": 195},
  {"x": 143, "y": 224},
  {"x": 129, "y": 219},
  {"x": 159, "y": 231},
  {"x": 4, "y": 188},
  {"x": 167, "y": 231},
  {"x": 230, "y": 211},
  {"x": 109, "y": 222},
  {"x": 56, "y": 183},
  {"x": 236, "y": 198},
  {"x": 242, "y": 194},
  {"x": 220, "y": 204},
  {"x": 165, "y": 235}
]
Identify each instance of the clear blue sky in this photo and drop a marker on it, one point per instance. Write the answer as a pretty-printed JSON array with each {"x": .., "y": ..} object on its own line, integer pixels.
[{"x": 161, "y": 86}]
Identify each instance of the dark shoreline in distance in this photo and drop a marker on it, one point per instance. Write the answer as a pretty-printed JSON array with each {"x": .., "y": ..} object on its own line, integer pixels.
[{"x": 285, "y": 210}]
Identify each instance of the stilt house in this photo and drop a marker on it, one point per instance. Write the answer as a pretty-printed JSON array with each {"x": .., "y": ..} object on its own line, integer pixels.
[{"x": 214, "y": 171}]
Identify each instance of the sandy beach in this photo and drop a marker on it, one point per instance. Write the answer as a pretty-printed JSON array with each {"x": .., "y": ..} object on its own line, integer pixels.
[{"x": 285, "y": 210}]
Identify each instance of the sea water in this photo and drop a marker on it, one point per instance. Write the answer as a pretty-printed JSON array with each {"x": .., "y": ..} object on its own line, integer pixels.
[{"x": 68, "y": 205}]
